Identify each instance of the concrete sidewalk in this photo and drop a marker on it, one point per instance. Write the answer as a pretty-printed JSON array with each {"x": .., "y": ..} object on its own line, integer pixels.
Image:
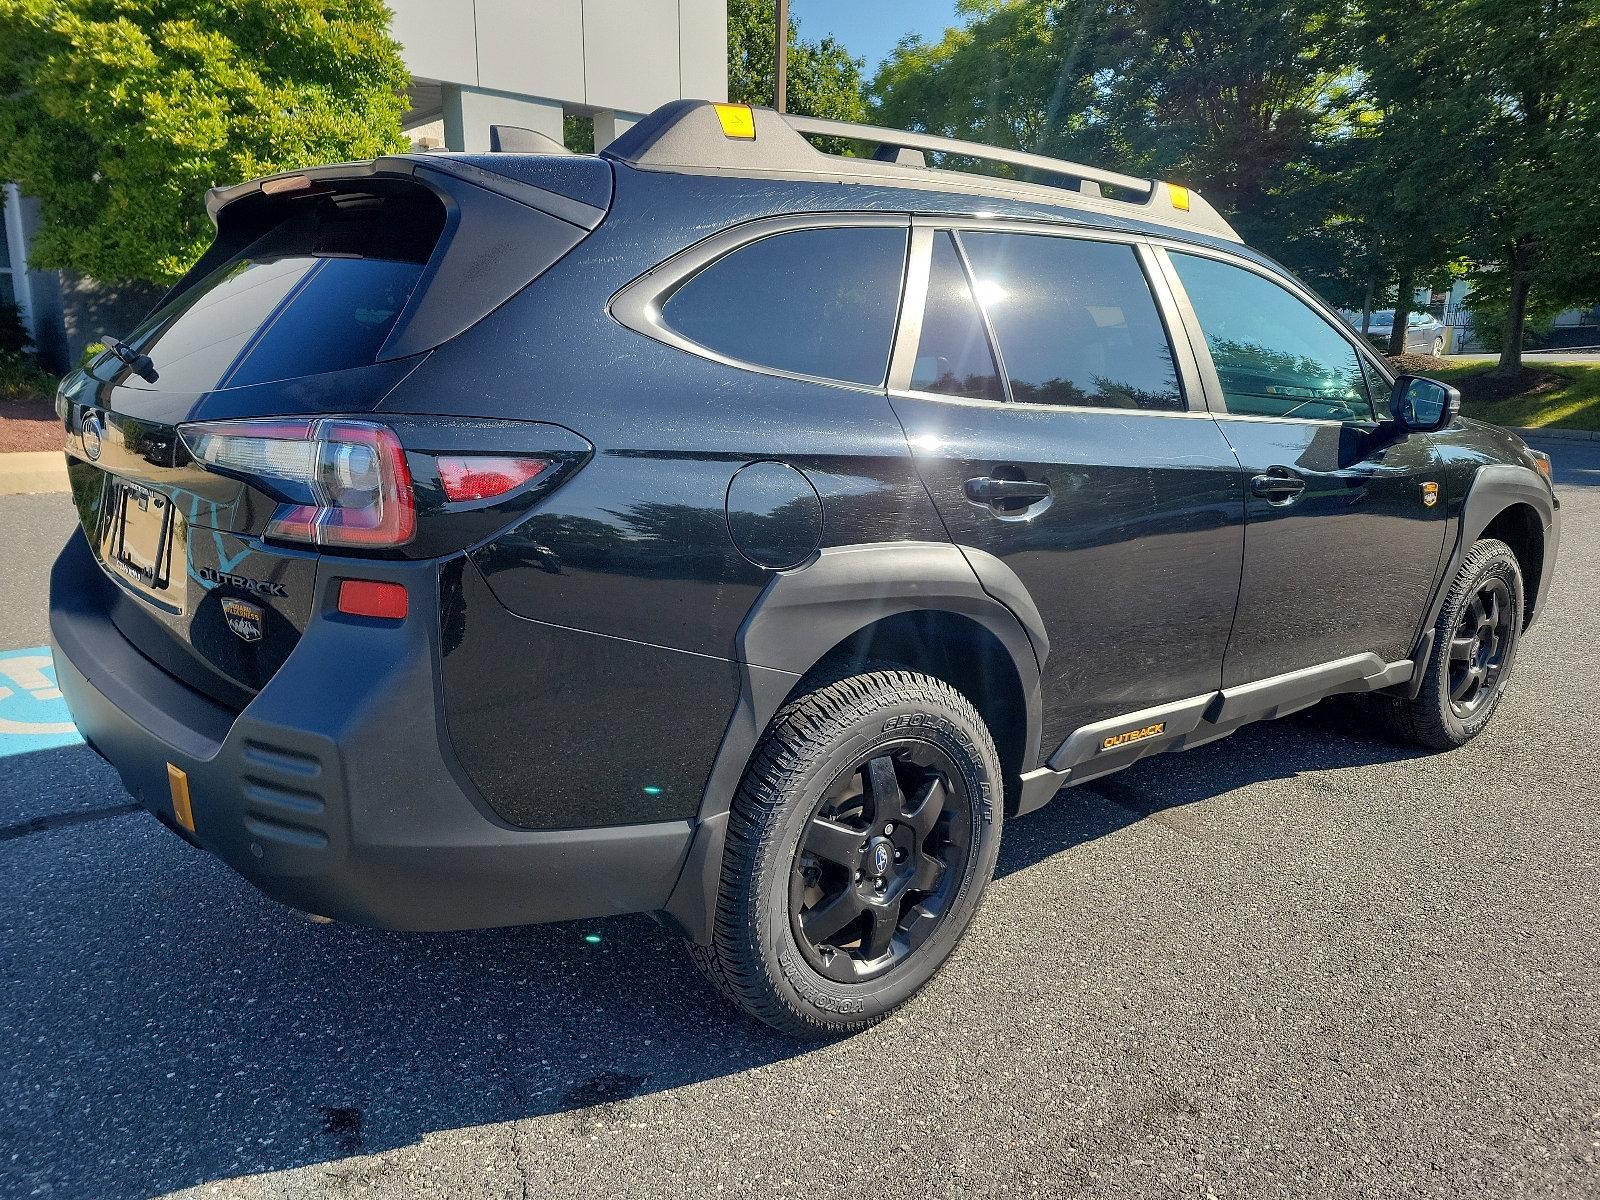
[{"x": 29, "y": 471}]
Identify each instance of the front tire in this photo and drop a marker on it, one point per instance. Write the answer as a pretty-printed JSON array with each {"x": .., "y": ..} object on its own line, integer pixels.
[
  {"x": 1474, "y": 647},
  {"x": 1438, "y": 347},
  {"x": 859, "y": 843}
]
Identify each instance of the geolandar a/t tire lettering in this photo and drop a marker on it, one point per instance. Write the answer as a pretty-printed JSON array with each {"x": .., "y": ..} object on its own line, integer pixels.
[{"x": 859, "y": 844}]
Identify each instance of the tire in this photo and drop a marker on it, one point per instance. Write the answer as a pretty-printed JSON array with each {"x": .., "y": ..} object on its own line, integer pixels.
[
  {"x": 1438, "y": 347},
  {"x": 1478, "y": 631},
  {"x": 842, "y": 762}
]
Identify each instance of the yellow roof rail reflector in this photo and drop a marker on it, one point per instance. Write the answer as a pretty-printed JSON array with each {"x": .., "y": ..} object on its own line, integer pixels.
[
  {"x": 1179, "y": 196},
  {"x": 738, "y": 121}
]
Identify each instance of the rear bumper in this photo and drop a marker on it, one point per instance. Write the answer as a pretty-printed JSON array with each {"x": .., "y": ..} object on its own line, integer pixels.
[{"x": 335, "y": 790}]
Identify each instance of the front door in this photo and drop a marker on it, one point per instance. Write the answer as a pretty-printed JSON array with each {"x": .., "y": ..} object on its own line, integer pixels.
[
  {"x": 1056, "y": 430},
  {"x": 1343, "y": 531}
]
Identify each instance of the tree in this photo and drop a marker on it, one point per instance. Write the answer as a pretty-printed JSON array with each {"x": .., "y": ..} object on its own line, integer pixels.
[
  {"x": 119, "y": 114},
  {"x": 1227, "y": 97},
  {"x": 824, "y": 81},
  {"x": 1523, "y": 83}
]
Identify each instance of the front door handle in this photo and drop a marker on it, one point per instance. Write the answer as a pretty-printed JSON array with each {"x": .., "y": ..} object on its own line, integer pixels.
[
  {"x": 1278, "y": 486},
  {"x": 1006, "y": 495}
]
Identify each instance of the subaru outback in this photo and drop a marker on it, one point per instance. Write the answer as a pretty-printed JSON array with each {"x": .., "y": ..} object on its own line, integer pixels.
[{"x": 728, "y": 530}]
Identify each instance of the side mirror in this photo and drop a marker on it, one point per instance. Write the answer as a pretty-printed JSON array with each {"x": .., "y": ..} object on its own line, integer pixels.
[{"x": 1423, "y": 404}]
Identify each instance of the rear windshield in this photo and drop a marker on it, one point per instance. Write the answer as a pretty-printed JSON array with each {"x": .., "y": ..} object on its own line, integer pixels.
[{"x": 318, "y": 291}]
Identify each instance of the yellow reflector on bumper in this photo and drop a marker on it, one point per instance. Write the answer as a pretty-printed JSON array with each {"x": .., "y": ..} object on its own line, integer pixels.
[
  {"x": 178, "y": 781},
  {"x": 737, "y": 121},
  {"x": 1180, "y": 197}
]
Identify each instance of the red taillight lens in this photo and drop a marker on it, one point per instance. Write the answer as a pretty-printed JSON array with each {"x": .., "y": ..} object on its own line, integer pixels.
[
  {"x": 370, "y": 598},
  {"x": 346, "y": 482},
  {"x": 485, "y": 476}
]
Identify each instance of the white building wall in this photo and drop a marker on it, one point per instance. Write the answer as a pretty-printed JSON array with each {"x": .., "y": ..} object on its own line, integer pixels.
[{"x": 527, "y": 62}]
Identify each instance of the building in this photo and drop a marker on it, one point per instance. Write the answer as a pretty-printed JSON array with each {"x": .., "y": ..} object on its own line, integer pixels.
[{"x": 474, "y": 63}]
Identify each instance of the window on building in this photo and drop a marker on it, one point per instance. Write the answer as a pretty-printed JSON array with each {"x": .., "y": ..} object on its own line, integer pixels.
[
  {"x": 953, "y": 353},
  {"x": 1274, "y": 355},
  {"x": 818, "y": 302},
  {"x": 1076, "y": 321}
]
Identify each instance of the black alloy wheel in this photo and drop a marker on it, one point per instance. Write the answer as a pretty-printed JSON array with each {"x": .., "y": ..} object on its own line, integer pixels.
[
  {"x": 1481, "y": 646},
  {"x": 879, "y": 861}
]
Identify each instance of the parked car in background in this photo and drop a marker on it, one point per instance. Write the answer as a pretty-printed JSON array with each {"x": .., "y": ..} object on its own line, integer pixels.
[{"x": 1425, "y": 333}]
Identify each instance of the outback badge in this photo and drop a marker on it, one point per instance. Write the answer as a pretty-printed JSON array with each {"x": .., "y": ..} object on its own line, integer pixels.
[
  {"x": 1117, "y": 740},
  {"x": 245, "y": 619},
  {"x": 1430, "y": 494}
]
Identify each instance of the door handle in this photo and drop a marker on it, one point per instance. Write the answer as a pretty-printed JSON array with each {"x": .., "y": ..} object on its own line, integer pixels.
[
  {"x": 1278, "y": 486},
  {"x": 1006, "y": 495}
]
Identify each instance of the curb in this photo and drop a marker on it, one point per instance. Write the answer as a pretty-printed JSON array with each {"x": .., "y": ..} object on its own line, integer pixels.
[
  {"x": 32, "y": 472},
  {"x": 1565, "y": 435}
]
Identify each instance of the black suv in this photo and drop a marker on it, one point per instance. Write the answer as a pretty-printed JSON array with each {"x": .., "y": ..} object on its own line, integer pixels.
[{"x": 722, "y": 528}]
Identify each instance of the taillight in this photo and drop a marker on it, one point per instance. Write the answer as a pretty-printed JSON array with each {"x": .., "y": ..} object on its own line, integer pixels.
[
  {"x": 342, "y": 483},
  {"x": 485, "y": 476}
]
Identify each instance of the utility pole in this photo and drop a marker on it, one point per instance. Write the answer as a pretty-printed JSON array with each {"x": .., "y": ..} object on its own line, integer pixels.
[{"x": 781, "y": 88}]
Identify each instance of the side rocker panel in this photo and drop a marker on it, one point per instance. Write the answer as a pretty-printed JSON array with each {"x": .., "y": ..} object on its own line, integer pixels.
[{"x": 799, "y": 617}]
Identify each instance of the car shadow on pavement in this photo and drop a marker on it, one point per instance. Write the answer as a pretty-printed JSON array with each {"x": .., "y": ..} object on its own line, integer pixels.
[{"x": 163, "y": 1025}]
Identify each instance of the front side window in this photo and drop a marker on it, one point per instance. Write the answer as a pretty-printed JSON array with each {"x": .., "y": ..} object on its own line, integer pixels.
[
  {"x": 1076, "y": 321},
  {"x": 1274, "y": 355},
  {"x": 953, "y": 353},
  {"x": 819, "y": 302}
]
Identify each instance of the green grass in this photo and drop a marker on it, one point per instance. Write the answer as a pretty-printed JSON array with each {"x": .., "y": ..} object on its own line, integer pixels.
[{"x": 1574, "y": 404}]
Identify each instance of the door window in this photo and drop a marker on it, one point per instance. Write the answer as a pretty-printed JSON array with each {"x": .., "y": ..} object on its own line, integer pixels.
[
  {"x": 1076, "y": 321},
  {"x": 1274, "y": 355},
  {"x": 953, "y": 353},
  {"x": 818, "y": 302}
]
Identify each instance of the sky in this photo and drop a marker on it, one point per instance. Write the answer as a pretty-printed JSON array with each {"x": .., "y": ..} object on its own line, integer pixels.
[{"x": 870, "y": 28}]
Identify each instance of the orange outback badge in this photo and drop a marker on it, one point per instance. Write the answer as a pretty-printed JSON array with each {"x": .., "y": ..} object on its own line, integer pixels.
[{"x": 1430, "y": 494}]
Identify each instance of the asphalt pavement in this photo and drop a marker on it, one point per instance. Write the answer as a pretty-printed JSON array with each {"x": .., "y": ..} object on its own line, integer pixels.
[{"x": 1298, "y": 962}]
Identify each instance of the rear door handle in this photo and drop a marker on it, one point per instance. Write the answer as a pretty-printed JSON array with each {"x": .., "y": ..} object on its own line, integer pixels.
[
  {"x": 1278, "y": 486},
  {"x": 1007, "y": 494}
]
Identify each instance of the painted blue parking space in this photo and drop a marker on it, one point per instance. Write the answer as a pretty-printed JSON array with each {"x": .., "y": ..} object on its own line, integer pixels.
[{"x": 33, "y": 716}]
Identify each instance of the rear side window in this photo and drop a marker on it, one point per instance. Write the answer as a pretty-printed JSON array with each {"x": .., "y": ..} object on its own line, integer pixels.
[
  {"x": 1076, "y": 321},
  {"x": 953, "y": 353},
  {"x": 318, "y": 291},
  {"x": 818, "y": 302},
  {"x": 1274, "y": 355}
]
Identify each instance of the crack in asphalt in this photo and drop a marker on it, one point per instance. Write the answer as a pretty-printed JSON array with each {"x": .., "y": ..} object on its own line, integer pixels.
[{"x": 65, "y": 820}]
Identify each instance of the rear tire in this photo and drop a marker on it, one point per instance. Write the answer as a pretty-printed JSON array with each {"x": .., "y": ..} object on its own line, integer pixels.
[
  {"x": 859, "y": 844},
  {"x": 1474, "y": 648},
  {"x": 1438, "y": 347}
]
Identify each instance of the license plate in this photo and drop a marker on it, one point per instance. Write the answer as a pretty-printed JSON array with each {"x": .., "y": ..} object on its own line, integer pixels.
[{"x": 139, "y": 538}]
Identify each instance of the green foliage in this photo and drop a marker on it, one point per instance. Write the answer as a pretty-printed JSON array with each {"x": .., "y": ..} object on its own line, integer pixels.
[
  {"x": 577, "y": 133},
  {"x": 823, "y": 80},
  {"x": 119, "y": 114},
  {"x": 21, "y": 380},
  {"x": 1227, "y": 97},
  {"x": 14, "y": 337}
]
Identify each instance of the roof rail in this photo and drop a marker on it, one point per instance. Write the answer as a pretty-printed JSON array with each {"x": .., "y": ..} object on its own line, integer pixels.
[{"x": 697, "y": 135}]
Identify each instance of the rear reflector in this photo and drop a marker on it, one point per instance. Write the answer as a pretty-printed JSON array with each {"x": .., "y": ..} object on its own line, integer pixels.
[
  {"x": 485, "y": 476},
  {"x": 369, "y": 598}
]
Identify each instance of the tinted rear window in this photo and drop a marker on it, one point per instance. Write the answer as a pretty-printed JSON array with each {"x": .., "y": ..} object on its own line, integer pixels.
[
  {"x": 1076, "y": 321},
  {"x": 816, "y": 302},
  {"x": 319, "y": 291}
]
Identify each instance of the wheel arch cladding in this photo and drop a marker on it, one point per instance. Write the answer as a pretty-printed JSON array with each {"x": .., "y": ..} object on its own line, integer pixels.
[
  {"x": 874, "y": 602},
  {"x": 1508, "y": 499},
  {"x": 1520, "y": 528}
]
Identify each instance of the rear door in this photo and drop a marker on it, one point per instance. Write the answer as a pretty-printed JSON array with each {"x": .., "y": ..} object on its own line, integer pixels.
[
  {"x": 1341, "y": 543},
  {"x": 1078, "y": 452}
]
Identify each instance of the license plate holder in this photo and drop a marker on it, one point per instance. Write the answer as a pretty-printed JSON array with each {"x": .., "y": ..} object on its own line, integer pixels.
[{"x": 139, "y": 536}]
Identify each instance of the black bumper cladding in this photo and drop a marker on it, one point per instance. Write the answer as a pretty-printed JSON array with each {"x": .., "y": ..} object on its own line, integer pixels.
[{"x": 335, "y": 791}]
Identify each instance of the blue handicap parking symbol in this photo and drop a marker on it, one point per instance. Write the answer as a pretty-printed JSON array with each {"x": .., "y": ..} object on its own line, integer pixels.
[{"x": 33, "y": 716}]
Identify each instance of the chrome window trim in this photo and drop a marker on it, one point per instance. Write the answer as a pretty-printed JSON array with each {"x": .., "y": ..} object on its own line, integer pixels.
[{"x": 638, "y": 304}]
